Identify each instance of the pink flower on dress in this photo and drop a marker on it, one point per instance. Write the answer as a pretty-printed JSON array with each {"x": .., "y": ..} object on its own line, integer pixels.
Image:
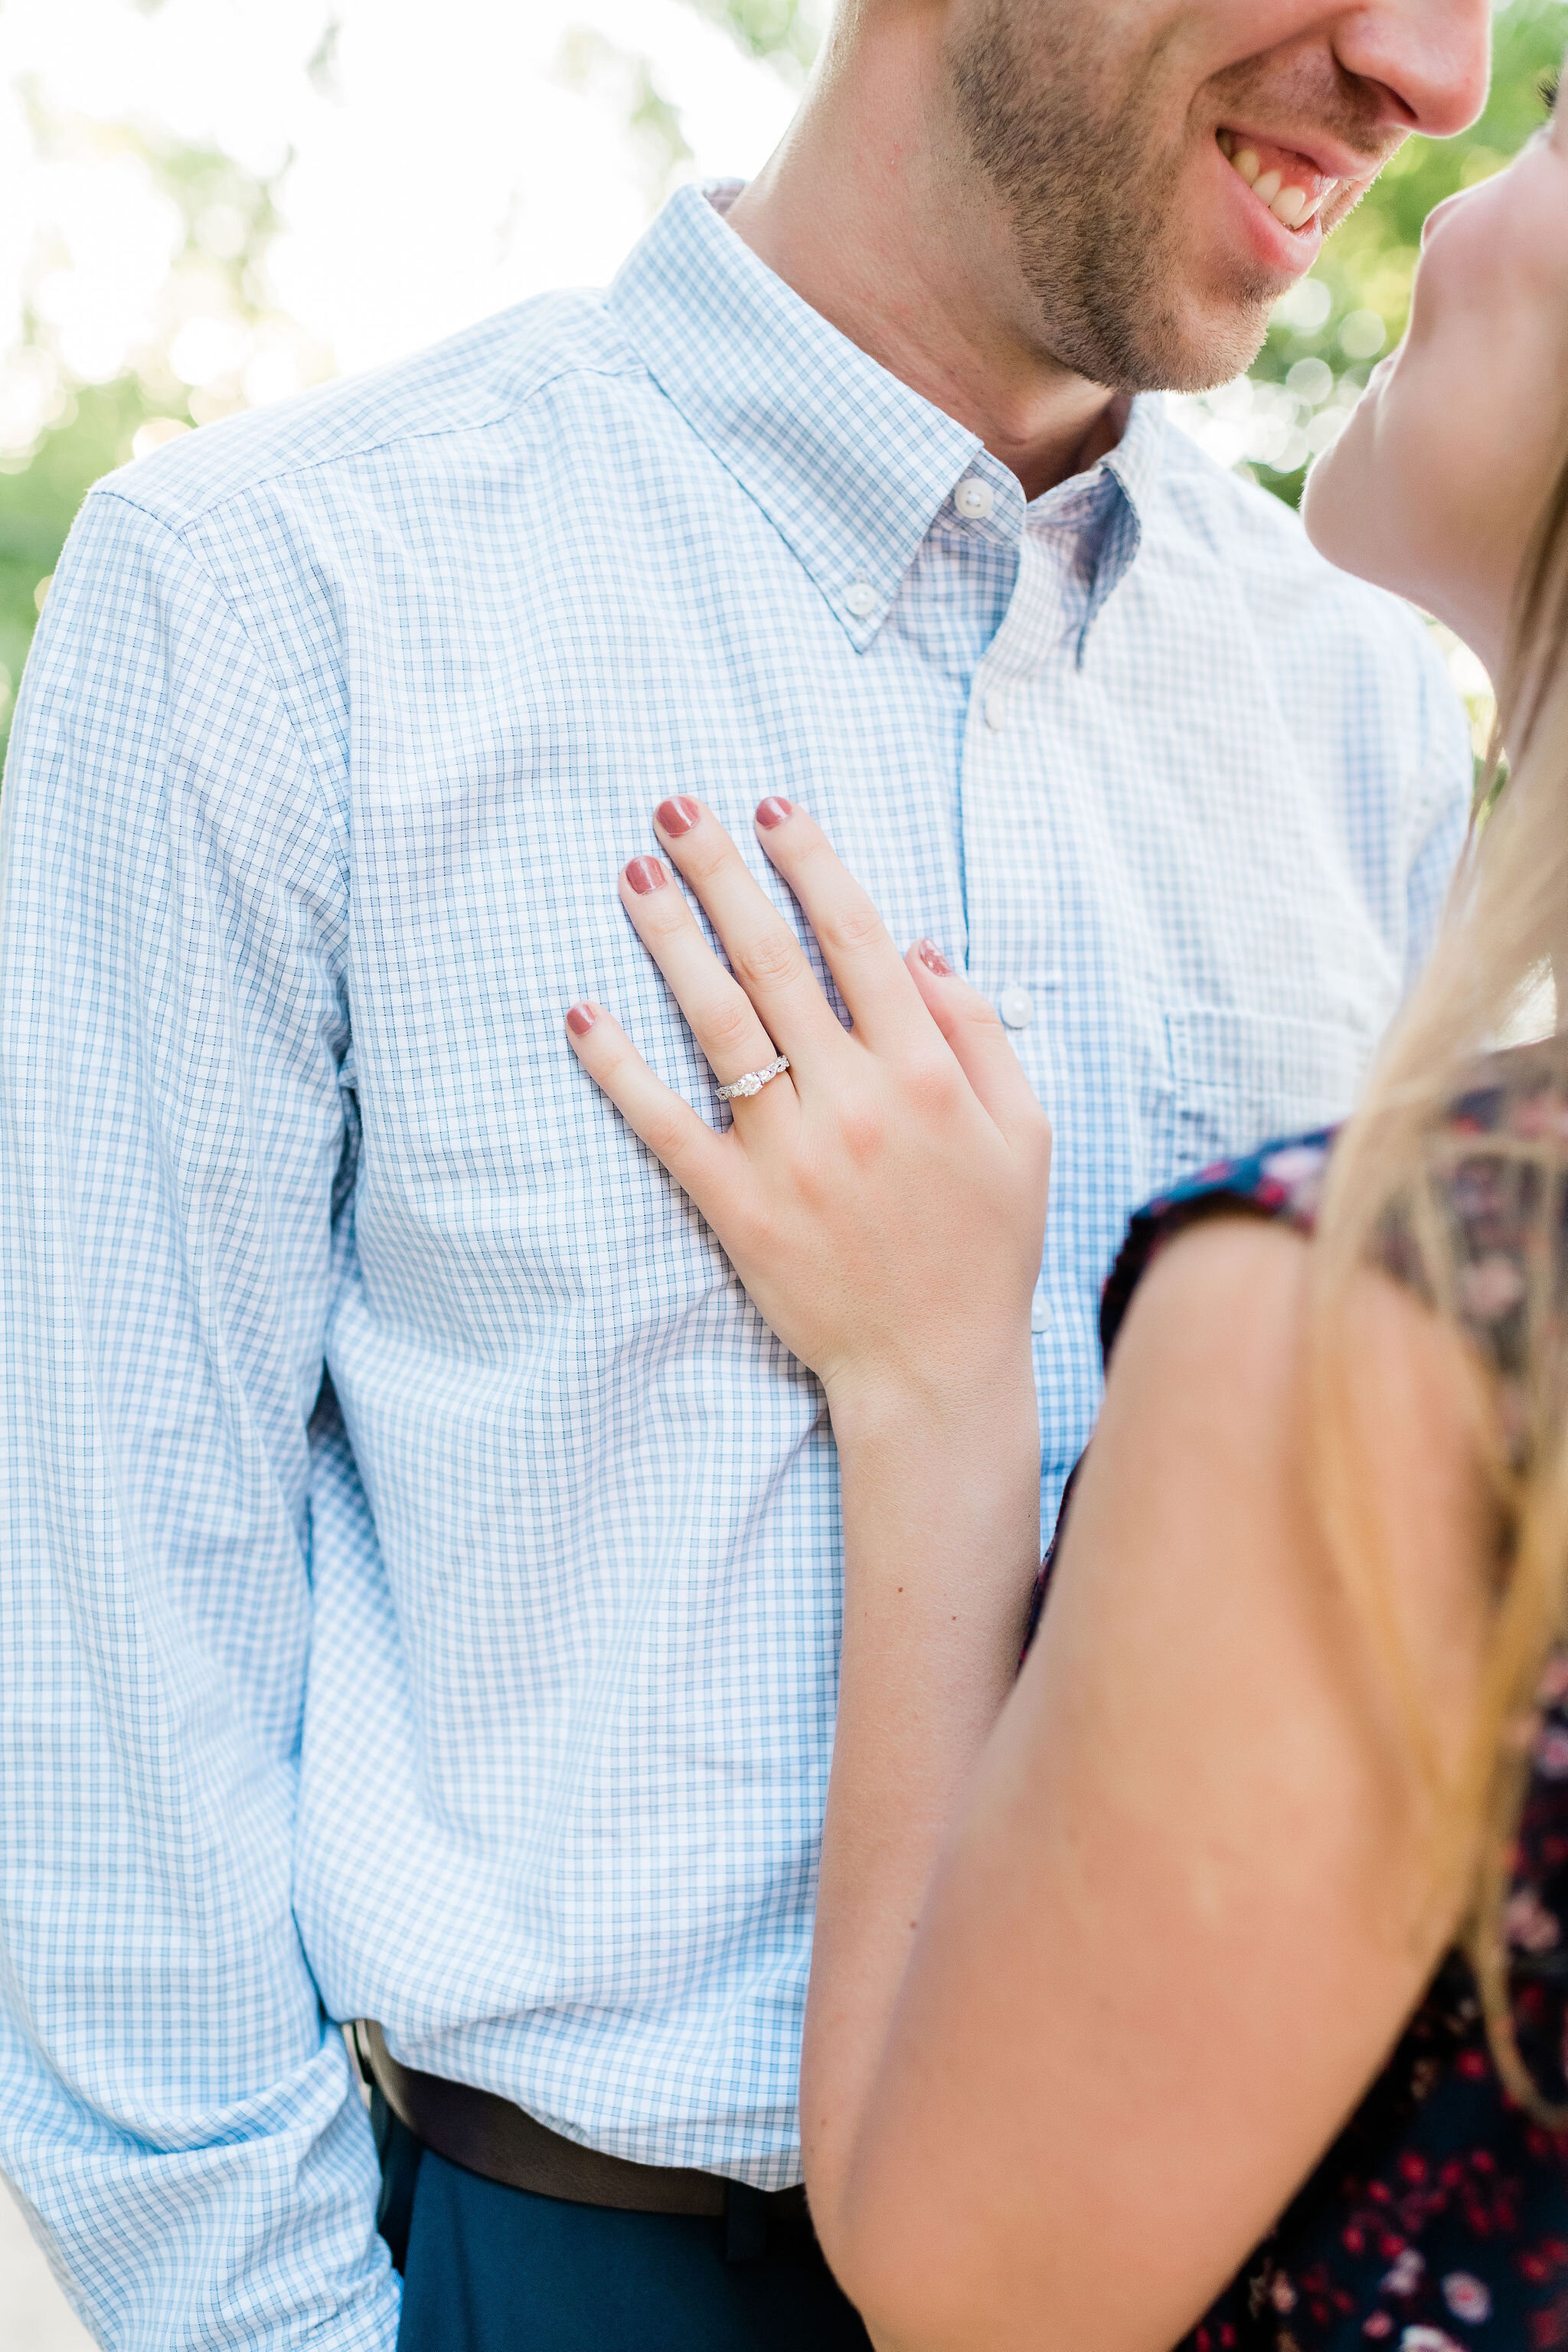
[
  {"x": 1428, "y": 2339},
  {"x": 1378, "y": 2326},
  {"x": 1490, "y": 1288},
  {"x": 1299, "y": 1163},
  {"x": 1551, "y": 1754},
  {"x": 1468, "y": 2298},
  {"x": 1553, "y": 1685},
  {"x": 1281, "y": 2294},
  {"x": 1530, "y": 1928},
  {"x": 1406, "y": 2276},
  {"x": 1541, "y": 1115}
]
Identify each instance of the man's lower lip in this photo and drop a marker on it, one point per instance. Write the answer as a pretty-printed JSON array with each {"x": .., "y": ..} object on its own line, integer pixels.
[
  {"x": 1286, "y": 186},
  {"x": 1294, "y": 250}
]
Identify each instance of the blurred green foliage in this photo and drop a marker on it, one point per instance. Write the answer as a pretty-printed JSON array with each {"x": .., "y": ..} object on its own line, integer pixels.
[
  {"x": 89, "y": 433},
  {"x": 783, "y": 32},
  {"x": 210, "y": 338},
  {"x": 590, "y": 63}
]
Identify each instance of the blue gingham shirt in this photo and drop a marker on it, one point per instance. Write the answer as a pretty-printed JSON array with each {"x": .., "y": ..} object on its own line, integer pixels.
[{"x": 421, "y": 1565}]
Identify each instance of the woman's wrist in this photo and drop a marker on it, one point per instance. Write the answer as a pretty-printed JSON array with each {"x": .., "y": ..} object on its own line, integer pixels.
[
  {"x": 977, "y": 1396},
  {"x": 949, "y": 1466}
]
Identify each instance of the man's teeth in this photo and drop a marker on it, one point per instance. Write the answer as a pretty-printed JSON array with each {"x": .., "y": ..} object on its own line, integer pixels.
[{"x": 1287, "y": 200}]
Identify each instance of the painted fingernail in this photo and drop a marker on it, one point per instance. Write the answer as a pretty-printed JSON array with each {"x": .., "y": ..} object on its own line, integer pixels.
[
  {"x": 932, "y": 956},
  {"x": 580, "y": 1019},
  {"x": 676, "y": 817},
  {"x": 773, "y": 811},
  {"x": 646, "y": 874}
]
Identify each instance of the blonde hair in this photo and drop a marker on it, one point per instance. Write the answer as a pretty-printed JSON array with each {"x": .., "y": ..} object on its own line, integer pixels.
[{"x": 1504, "y": 939}]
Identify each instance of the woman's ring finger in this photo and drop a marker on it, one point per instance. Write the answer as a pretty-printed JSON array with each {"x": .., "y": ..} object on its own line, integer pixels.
[
  {"x": 752, "y": 1082},
  {"x": 722, "y": 1017}
]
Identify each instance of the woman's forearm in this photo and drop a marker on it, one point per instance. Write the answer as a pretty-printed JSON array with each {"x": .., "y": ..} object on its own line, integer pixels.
[
  {"x": 1188, "y": 1899},
  {"x": 941, "y": 1497}
]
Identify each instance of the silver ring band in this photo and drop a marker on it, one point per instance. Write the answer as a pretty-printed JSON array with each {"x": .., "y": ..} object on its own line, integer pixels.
[{"x": 753, "y": 1081}]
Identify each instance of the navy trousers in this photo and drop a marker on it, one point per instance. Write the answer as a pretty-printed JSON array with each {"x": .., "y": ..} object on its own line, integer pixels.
[{"x": 488, "y": 2269}]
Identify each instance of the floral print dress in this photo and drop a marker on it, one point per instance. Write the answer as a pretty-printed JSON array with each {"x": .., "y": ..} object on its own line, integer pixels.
[{"x": 1438, "y": 2220}]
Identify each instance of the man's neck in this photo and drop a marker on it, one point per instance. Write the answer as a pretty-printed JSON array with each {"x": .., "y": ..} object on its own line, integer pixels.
[{"x": 859, "y": 213}]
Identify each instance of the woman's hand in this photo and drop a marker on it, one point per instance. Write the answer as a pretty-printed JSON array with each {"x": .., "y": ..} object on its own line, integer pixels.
[{"x": 884, "y": 1200}]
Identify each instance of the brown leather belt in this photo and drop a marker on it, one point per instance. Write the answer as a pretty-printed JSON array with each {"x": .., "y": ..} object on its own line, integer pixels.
[{"x": 487, "y": 2135}]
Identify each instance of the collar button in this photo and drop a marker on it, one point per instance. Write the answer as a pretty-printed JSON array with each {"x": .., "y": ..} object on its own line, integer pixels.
[
  {"x": 974, "y": 498},
  {"x": 860, "y": 599}
]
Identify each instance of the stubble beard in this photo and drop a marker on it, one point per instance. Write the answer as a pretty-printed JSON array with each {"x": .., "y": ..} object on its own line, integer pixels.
[{"x": 1089, "y": 192}]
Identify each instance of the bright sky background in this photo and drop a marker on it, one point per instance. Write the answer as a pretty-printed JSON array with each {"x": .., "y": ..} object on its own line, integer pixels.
[{"x": 454, "y": 171}]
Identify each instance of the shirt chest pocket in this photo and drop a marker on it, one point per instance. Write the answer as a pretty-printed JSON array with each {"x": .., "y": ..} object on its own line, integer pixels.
[{"x": 1241, "y": 1078}]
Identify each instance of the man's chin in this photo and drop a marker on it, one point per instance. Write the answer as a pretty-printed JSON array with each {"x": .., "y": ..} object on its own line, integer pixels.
[{"x": 1198, "y": 354}]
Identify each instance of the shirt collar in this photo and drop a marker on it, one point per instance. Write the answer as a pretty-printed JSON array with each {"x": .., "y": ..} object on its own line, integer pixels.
[
  {"x": 1138, "y": 458},
  {"x": 849, "y": 464},
  {"x": 1108, "y": 505}
]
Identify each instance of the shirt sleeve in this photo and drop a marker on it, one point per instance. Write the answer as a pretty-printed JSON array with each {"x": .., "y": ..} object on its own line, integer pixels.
[
  {"x": 175, "y": 2112},
  {"x": 1442, "y": 813}
]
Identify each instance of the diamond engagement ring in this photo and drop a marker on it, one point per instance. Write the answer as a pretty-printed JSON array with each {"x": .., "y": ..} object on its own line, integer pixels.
[{"x": 753, "y": 1081}]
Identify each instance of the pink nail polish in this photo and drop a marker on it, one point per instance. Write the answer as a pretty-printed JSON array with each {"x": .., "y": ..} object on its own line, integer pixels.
[
  {"x": 580, "y": 1019},
  {"x": 772, "y": 812},
  {"x": 676, "y": 817},
  {"x": 932, "y": 956},
  {"x": 646, "y": 874}
]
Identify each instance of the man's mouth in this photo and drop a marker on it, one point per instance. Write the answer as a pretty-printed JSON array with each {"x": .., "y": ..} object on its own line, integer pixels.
[{"x": 1289, "y": 185}]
